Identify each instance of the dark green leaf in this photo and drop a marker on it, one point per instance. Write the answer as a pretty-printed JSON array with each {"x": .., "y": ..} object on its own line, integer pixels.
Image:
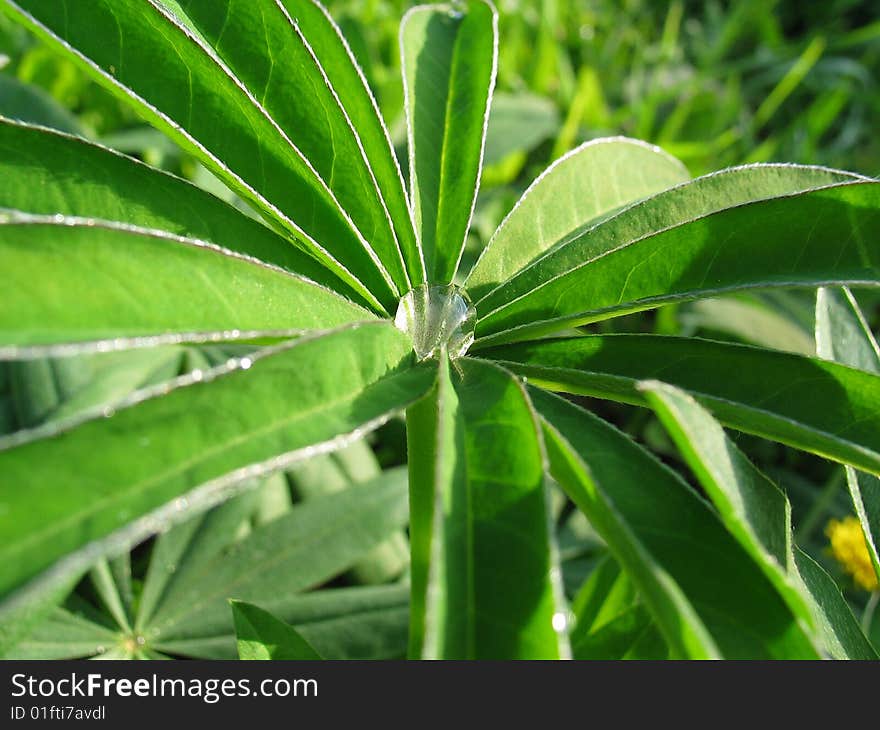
[
  {"x": 818, "y": 406},
  {"x": 705, "y": 593},
  {"x": 269, "y": 50},
  {"x": 46, "y": 173},
  {"x": 146, "y": 55}
]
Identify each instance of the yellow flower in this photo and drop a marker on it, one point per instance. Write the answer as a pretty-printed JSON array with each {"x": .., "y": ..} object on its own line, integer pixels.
[{"x": 850, "y": 549}]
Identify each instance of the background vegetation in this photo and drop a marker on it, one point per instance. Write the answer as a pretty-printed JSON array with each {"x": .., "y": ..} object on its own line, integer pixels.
[{"x": 715, "y": 84}]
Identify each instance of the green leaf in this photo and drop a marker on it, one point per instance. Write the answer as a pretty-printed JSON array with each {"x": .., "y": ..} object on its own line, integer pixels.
[
  {"x": 755, "y": 511},
  {"x": 341, "y": 623},
  {"x": 330, "y": 473},
  {"x": 270, "y": 52},
  {"x": 56, "y": 389},
  {"x": 518, "y": 123},
  {"x": 748, "y": 318},
  {"x": 55, "y": 294},
  {"x": 611, "y": 621},
  {"x": 484, "y": 578},
  {"x": 48, "y": 173},
  {"x": 843, "y": 334},
  {"x": 704, "y": 591},
  {"x": 66, "y": 635},
  {"x": 181, "y": 553},
  {"x": 315, "y": 542},
  {"x": 228, "y": 425},
  {"x": 817, "y": 406},
  {"x": 591, "y": 181},
  {"x": 108, "y": 591},
  {"x": 262, "y": 636},
  {"x": 17, "y": 621},
  {"x": 449, "y": 57},
  {"x": 148, "y": 57},
  {"x": 839, "y": 628},
  {"x": 716, "y": 234}
]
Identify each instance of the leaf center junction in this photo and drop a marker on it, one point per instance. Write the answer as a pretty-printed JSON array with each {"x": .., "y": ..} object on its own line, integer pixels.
[{"x": 437, "y": 317}]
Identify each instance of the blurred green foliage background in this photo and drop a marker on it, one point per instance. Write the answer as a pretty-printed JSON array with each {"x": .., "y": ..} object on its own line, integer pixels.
[{"x": 714, "y": 83}]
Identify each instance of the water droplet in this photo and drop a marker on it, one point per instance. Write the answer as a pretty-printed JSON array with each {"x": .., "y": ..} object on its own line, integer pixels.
[
  {"x": 560, "y": 621},
  {"x": 109, "y": 412},
  {"x": 140, "y": 640},
  {"x": 245, "y": 363},
  {"x": 181, "y": 504},
  {"x": 100, "y": 649},
  {"x": 436, "y": 317},
  {"x": 197, "y": 375}
]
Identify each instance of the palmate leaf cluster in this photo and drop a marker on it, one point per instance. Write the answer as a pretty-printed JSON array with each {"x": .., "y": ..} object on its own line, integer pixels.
[{"x": 282, "y": 325}]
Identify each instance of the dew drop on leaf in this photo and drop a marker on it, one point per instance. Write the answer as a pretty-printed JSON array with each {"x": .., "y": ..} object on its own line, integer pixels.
[{"x": 437, "y": 317}]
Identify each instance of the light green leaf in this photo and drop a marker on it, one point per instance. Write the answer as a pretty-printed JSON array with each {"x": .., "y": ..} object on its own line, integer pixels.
[
  {"x": 843, "y": 334},
  {"x": 755, "y": 511},
  {"x": 704, "y": 591},
  {"x": 518, "y": 123},
  {"x": 449, "y": 58},
  {"x": 231, "y": 424},
  {"x": 746, "y": 228},
  {"x": 262, "y": 636},
  {"x": 313, "y": 543},
  {"x": 484, "y": 574},
  {"x": 144, "y": 54},
  {"x": 591, "y": 181},
  {"x": 55, "y": 294},
  {"x": 47, "y": 173},
  {"x": 748, "y": 318},
  {"x": 611, "y": 621},
  {"x": 265, "y": 46},
  {"x": 817, "y": 406}
]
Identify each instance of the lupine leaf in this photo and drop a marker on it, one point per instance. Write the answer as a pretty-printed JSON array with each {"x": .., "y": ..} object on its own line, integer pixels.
[
  {"x": 699, "y": 239},
  {"x": 149, "y": 57},
  {"x": 590, "y": 181},
  {"x": 262, "y": 636},
  {"x": 757, "y": 513},
  {"x": 843, "y": 334},
  {"x": 811, "y": 404},
  {"x": 47, "y": 173},
  {"x": 209, "y": 431},
  {"x": 263, "y": 44},
  {"x": 704, "y": 591},
  {"x": 449, "y": 62},
  {"x": 484, "y": 580},
  {"x": 55, "y": 294}
]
